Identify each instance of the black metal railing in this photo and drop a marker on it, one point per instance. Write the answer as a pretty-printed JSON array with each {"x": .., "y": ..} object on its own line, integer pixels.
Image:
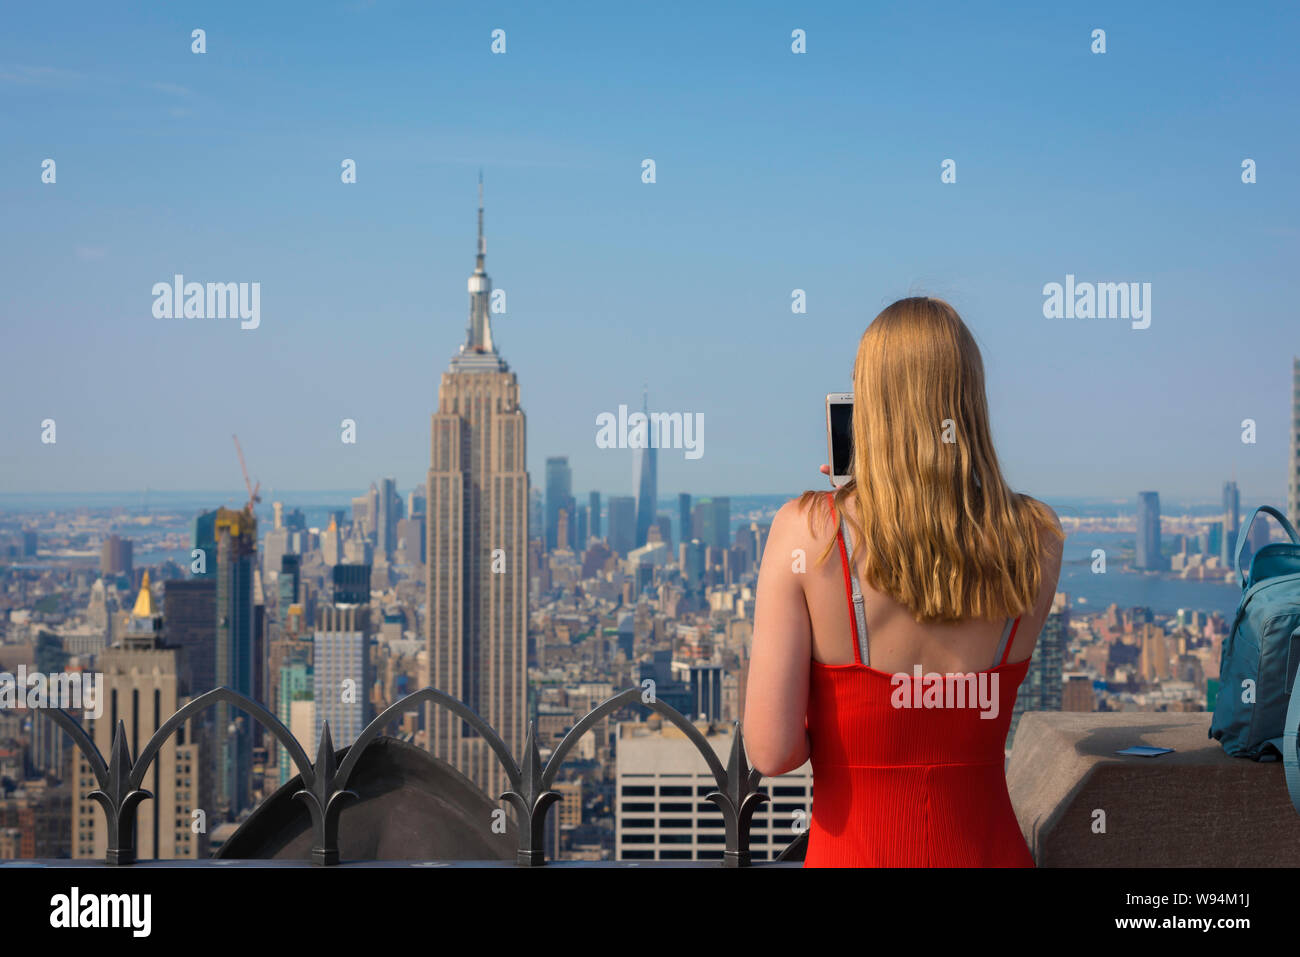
[{"x": 325, "y": 783}]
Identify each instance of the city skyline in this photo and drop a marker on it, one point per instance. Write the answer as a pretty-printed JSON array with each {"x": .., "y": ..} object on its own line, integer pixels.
[
  {"x": 309, "y": 565},
  {"x": 684, "y": 284}
]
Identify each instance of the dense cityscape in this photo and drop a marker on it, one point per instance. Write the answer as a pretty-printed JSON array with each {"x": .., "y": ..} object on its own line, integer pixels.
[{"x": 531, "y": 604}]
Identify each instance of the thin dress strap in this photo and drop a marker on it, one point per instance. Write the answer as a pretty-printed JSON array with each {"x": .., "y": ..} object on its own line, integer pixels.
[
  {"x": 852, "y": 590},
  {"x": 1004, "y": 646}
]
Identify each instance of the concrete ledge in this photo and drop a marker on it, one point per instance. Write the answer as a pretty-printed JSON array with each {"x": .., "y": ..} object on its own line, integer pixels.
[{"x": 1196, "y": 807}]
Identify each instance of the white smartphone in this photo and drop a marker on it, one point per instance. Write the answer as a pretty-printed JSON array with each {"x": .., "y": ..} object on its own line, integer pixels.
[{"x": 839, "y": 436}]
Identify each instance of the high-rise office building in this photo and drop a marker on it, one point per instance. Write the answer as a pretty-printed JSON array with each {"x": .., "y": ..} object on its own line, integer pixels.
[
  {"x": 477, "y": 544},
  {"x": 692, "y": 560},
  {"x": 141, "y": 688},
  {"x": 1213, "y": 539},
  {"x": 350, "y": 584},
  {"x": 115, "y": 556},
  {"x": 415, "y": 504},
  {"x": 1043, "y": 687},
  {"x": 331, "y": 543},
  {"x": 685, "y": 532},
  {"x": 559, "y": 495},
  {"x": 236, "y": 535},
  {"x": 647, "y": 489},
  {"x": 1148, "y": 532},
  {"x": 622, "y": 524},
  {"x": 410, "y": 541},
  {"x": 701, "y": 522},
  {"x": 204, "y": 563},
  {"x": 662, "y": 531},
  {"x": 562, "y": 530},
  {"x": 275, "y": 545},
  {"x": 341, "y": 673},
  {"x": 705, "y": 682},
  {"x": 579, "y": 542},
  {"x": 1231, "y": 522},
  {"x": 386, "y": 524},
  {"x": 721, "y": 522},
  {"x": 190, "y": 616},
  {"x": 1078, "y": 694},
  {"x": 1293, "y": 479},
  {"x": 365, "y": 513},
  {"x": 593, "y": 516},
  {"x": 660, "y": 811},
  {"x": 288, "y": 586},
  {"x": 295, "y": 520},
  {"x": 295, "y": 684},
  {"x": 711, "y": 522}
]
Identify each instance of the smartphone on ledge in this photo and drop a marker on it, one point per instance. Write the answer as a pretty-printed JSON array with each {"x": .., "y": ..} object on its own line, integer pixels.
[{"x": 839, "y": 436}]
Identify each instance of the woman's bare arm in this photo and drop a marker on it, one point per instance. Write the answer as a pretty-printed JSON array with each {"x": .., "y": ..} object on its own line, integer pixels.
[{"x": 776, "y": 697}]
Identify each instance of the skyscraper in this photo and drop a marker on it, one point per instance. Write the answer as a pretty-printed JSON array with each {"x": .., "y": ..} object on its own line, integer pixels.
[
  {"x": 236, "y": 535},
  {"x": 721, "y": 522},
  {"x": 1231, "y": 522},
  {"x": 350, "y": 584},
  {"x": 711, "y": 522},
  {"x": 410, "y": 541},
  {"x": 593, "y": 517},
  {"x": 647, "y": 490},
  {"x": 341, "y": 674},
  {"x": 684, "y": 531},
  {"x": 1043, "y": 687},
  {"x": 288, "y": 586},
  {"x": 1148, "y": 531},
  {"x": 579, "y": 542},
  {"x": 141, "y": 688},
  {"x": 622, "y": 524},
  {"x": 190, "y": 615},
  {"x": 386, "y": 524},
  {"x": 204, "y": 564},
  {"x": 1293, "y": 480},
  {"x": 295, "y": 684},
  {"x": 331, "y": 543},
  {"x": 559, "y": 494},
  {"x": 115, "y": 556},
  {"x": 477, "y": 544},
  {"x": 415, "y": 504}
]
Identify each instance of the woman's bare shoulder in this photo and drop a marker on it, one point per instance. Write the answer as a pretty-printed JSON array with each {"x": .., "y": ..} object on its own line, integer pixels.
[
  {"x": 806, "y": 516},
  {"x": 1046, "y": 515}
]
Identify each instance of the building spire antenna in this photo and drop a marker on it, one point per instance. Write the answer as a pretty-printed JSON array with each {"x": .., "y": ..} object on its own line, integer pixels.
[
  {"x": 482, "y": 243},
  {"x": 478, "y": 339}
]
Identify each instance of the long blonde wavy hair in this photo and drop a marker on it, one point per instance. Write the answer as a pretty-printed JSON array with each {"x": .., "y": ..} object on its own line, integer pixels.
[{"x": 937, "y": 527}]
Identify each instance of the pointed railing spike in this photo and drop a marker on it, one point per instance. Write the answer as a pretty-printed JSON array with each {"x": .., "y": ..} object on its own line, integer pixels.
[{"x": 324, "y": 788}]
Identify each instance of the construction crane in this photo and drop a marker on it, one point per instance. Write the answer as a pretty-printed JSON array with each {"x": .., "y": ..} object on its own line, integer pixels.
[{"x": 253, "y": 497}]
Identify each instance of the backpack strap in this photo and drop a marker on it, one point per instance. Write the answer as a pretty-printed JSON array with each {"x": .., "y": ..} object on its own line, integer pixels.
[
  {"x": 1287, "y": 745},
  {"x": 856, "y": 608},
  {"x": 1245, "y": 530},
  {"x": 852, "y": 590}
]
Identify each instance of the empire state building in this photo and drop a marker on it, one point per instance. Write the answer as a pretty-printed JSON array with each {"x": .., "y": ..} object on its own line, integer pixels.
[{"x": 477, "y": 573}]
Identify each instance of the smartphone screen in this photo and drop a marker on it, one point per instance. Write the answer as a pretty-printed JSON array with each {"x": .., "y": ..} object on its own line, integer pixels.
[{"x": 841, "y": 426}]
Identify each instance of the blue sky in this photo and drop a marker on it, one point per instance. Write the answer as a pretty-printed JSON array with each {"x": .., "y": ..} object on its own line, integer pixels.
[{"x": 775, "y": 171}]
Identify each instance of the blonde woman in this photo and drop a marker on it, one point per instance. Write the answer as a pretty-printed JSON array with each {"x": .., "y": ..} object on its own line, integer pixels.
[{"x": 892, "y": 656}]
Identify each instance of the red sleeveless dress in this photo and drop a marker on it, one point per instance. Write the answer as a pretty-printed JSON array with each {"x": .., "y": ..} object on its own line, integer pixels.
[{"x": 910, "y": 786}]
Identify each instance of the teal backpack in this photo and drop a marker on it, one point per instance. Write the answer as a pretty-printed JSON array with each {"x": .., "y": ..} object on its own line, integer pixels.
[{"x": 1263, "y": 648}]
